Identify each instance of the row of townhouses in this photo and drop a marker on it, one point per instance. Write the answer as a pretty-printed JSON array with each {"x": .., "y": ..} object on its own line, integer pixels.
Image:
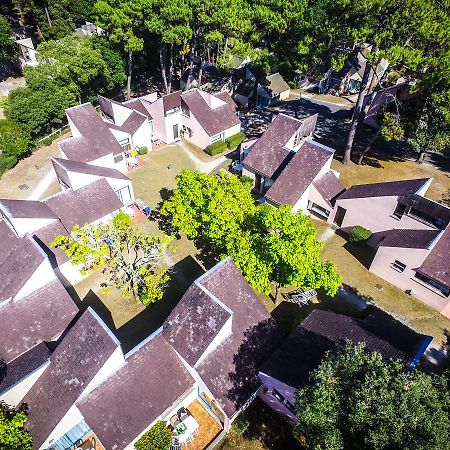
[{"x": 219, "y": 347}]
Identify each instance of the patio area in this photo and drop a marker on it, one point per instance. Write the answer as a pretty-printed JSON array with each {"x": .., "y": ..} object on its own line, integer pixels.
[
  {"x": 91, "y": 442},
  {"x": 207, "y": 428}
]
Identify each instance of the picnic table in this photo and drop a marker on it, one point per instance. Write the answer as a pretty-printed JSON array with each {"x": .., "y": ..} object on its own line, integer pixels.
[{"x": 187, "y": 429}]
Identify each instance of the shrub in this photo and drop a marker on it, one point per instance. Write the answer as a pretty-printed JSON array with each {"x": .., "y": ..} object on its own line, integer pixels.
[
  {"x": 158, "y": 437},
  {"x": 241, "y": 424},
  {"x": 216, "y": 148},
  {"x": 233, "y": 141},
  {"x": 6, "y": 163},
  {"x": 359, "y": 233},
  {"x": 142, "y": 150},
  {"x": 292, "y": 85}
]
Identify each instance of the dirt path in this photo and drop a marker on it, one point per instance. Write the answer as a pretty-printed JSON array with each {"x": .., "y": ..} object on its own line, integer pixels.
[
  {"x": 35, "y": 172},
  {"x": 205, "y": 167}
]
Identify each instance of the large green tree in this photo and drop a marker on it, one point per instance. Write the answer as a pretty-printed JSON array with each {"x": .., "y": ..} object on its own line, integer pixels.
[
  {"x": 269, "y": 245},
  {"x": 7, "y": 48},
  {"x": 123, "y": 21},
  {"x": 132, "y": 260},
  {"x": 71, "y": 70},
  {"x": 13, "y": 436},
  {"x": 15, "y": 142},
  {"x": 356, "y": 400}
]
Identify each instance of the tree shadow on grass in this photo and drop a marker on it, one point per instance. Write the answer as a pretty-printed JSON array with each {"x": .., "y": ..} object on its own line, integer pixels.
[
  {"x": 270, "y": 428},
  {"x": 182, "y": 275}
]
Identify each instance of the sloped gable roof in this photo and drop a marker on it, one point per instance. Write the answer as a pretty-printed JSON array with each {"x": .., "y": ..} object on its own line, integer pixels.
[
  {"x": 214, "y": 120},
  {"x": 329, "y": 187},
  {"x": 29, "y": 209},
  {"x": 122, "y": 407},
  {"x": 387, "y": 189},
  {"x": 74, "y": 363},
  {"x": 299, "y": 173}
]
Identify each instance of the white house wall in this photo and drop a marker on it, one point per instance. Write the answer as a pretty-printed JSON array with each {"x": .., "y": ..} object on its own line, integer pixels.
[
  {"x": 71, "y": 274},
  {"x": 232, "y": 131},
  {"x": 16, "y": 393},
  {"x": 70, "y": 419},
  {"x": 43, "y": 275},
  {"x": 171, "y": 120},
  {"x": 143, "y": 136},
  {"x": 22, "y": 226},
  {"x": 121, "y": 113},
  {"x": 199, "y": 136}
]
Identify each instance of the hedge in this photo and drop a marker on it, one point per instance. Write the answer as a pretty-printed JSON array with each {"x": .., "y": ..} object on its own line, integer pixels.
[
  {"x": 233, "y": 141},
  {"x": 216, "y": 148},
  {"x": 158, "y": 437},
  {"x": 359, "y": 233},
  {"x": 142, "y": 150}
]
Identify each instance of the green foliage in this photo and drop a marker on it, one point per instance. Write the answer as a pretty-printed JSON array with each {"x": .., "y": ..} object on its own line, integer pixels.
[
  {"x": 356, "y": 400},
  {"x": 235, "y": 140},
  {"x": 241, "y": 424},
  {"x": 158, "y": 437},
  {"x": 63, "y": 14},
  {"x": 359, "y": 233},
  {"x": 15, "y": 142},
  {"x": 216, "y": 148},
  {"x": 142, "y": 150},
  {"x": 13, "y": 436},
  {"x": 7, "y": 48},
  {"x": 71, "y": 69},
  {"x": 130, "y": 259},
  {"x": 268, "y": 244}
]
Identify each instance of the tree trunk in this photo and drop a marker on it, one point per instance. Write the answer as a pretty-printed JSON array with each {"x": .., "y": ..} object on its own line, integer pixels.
[
  {"x": 200, "y": 73},
  {"x": 208, "y": 53},
  {"x": 191, "y": 60},
  {"x": 49, "y": 20},
  {"x": 163, "y": 66},
  {"x": 356, "y": 115},
  {"x": 421, "y": 156},
  {"x": 130, "y": 71},
  {"x": 169, "y": 84},
  {"x": 368, "y": 147}
]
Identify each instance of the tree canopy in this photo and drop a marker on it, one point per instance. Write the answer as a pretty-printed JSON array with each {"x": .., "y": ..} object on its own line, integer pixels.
[
  {"x": 70, "y": 70},
  {"x": 7, "y": 47},
  {"x": 356, "y": 400},
  {"x": 13, "y": 436},
  {"x": 269, "y": 245},
  {"x": 15, "y": 142},
  {"x": 131, "y": 260}
]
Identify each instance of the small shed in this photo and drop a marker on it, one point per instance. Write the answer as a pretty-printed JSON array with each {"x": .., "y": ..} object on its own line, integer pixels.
[{"x": 273, "y": 91}]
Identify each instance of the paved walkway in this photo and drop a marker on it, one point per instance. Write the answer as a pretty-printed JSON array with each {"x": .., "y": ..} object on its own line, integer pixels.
[
  {"x": 206, "y": 167},
  {"x": 42, "y": 186}
]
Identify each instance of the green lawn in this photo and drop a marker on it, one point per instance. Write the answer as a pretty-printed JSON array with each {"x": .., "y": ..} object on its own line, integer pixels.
[{"x": 393, "y": 300}]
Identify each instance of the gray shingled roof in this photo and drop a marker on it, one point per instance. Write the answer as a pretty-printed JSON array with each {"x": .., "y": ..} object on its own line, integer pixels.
[
  {"x": 230, "y": 371},
  {"x": 138, "y": 105},
  {"x": 29, "y": 209},
  {"x": 213, "y": 120},
  {"x": 24, "y": 365},
  {"x": 299, "y": 173},
  {"x": 329, "y": 187},
  {"x": 84, "y": 205},
  {"x": 322, "y": 330},
  {"x": 74, "y": 363},
  {"x": 46, "y": 235},
  {"x": 96, "y": 139},
  {"x": 131, "y": 124},
  {"x": 19, "y": 259},
  {"x": 171, "y": 101},
  {"x": 387, "y": 189},
  {"x": 404, "y": 238},
  {"x": 40, "y": 316},
  {"x": 436, "y": 264},
  {"x": 194, "y": 323},
  {"x": 276, "y": 84},
  {"x": 80, "y": 167},
  {"x": 152, "y": 379},
  {"x": 267, "y": 154}
]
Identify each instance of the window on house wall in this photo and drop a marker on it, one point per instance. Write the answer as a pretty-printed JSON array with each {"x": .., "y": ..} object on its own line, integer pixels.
[
  {"x": 187, "y": 131},
  {"x": 118, "y": 158},
  {"x": 297, "y": 139},
  {"x": 433, "y": 284},
  {"x": 125, "y": 143},
  {"x": 217, "y": 138},
  {"x": 398, "y": 266},
  {"x": 283, "y": 400}
]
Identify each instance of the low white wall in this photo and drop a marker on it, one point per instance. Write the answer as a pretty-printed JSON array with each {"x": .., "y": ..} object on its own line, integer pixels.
[
  {"x": 43, "y": 275},
  {"x": 17, "y": 392}
]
